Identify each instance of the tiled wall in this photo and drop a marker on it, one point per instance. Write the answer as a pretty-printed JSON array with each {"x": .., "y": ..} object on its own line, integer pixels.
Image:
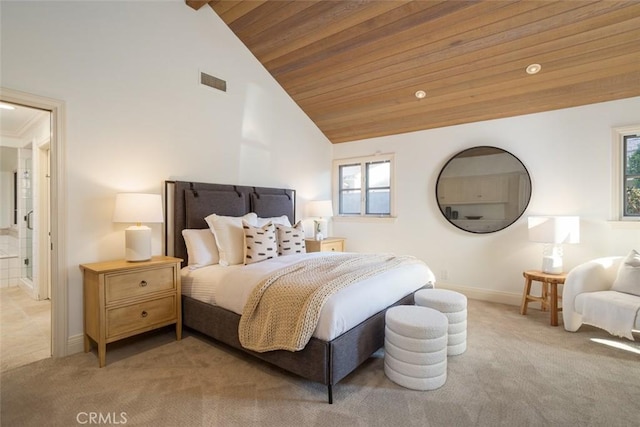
[{"x": 10, "y": 268}]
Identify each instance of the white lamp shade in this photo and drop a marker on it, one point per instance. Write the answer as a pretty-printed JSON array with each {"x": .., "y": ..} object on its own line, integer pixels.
[
  {"x": 320, "y": 208},
  {"x": 554, "y": 229},
  {"x": 138, "y": 208}
]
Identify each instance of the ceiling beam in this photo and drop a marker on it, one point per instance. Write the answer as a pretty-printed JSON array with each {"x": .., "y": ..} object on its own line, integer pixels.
[{"x": 196, "y": 4}]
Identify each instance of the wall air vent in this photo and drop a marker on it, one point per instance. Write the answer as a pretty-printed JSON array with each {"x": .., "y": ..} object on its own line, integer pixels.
[{"x": 213, "y": 82}]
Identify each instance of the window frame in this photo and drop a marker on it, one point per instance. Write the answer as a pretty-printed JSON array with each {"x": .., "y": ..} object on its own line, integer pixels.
[
  {"x": 364, "y": 189},
  {"x": 618, "y": 190}
]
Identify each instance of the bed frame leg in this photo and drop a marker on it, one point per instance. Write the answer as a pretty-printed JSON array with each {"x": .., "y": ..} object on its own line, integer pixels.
[{"x": 330, "y": 393}]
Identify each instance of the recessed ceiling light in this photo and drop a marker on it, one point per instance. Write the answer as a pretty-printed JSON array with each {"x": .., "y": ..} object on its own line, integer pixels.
[
  {"x": 534, "y": 68},
  {"x": 7, "y": 107},
  {"x": 420, "y": 94}
]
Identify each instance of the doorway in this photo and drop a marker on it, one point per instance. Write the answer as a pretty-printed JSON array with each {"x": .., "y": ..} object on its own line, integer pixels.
[
  {"x": 48, "y": 153},
  {"x": 26, "y": 314}
]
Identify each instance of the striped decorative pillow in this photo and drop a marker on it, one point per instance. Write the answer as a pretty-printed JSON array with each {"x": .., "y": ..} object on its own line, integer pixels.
[
  {"x": 260, "y": 242},
  {"x": 291, "y": 239}
]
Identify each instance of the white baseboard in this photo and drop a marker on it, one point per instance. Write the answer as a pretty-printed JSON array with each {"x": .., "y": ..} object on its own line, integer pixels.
[
  {"x": 75, "y": 344},
  {"x": 483, "y": 294}
]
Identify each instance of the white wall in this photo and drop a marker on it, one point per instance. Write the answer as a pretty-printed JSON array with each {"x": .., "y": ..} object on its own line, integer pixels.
[
  {"x": 568, "y": 155},
  {"x": 137, "y": 115}
]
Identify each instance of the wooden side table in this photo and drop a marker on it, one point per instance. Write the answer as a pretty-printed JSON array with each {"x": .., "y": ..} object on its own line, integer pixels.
[{"x": 548, "y": 298}]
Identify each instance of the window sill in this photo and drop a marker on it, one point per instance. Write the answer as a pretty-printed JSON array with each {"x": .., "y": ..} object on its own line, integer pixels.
[
  {"x": 625, "y": 225},
  {"x": 378, "y": 219}
]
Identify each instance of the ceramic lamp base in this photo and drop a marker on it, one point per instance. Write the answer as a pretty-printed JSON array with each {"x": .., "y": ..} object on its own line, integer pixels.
[
  {"x": 552, "y": 264},
  {"x": 320, "y": 229},
  {"x": 138, "y": 243}
]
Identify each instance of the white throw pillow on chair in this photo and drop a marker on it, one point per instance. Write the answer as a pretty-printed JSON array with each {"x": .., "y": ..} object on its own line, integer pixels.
[{"x": 628, "y": 278}]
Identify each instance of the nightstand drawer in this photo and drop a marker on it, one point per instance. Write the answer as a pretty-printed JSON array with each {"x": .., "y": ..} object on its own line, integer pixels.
[
  {"x": 138, "y": 283},
  {"x": 140, "y": 316},
  {"x": 337, "y": 246}
]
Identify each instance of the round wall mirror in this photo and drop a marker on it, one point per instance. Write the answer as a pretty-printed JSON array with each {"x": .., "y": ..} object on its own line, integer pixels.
[{"x": 483, "y": 189}]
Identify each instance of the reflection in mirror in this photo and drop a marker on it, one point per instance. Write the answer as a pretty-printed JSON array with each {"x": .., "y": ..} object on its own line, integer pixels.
[{"x": 483, "y": 189}]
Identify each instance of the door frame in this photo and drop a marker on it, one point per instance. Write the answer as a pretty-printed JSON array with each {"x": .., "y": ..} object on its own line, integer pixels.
[
  {"x": 42, "y": 289},
  {"x": 58, "y": 210}
]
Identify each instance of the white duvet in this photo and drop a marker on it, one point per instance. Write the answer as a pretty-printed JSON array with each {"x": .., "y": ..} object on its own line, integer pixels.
[{"x": 229, "y": 287}]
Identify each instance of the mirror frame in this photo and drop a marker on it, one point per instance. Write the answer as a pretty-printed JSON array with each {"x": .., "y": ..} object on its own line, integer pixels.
[{"x": 508, "y": 221}]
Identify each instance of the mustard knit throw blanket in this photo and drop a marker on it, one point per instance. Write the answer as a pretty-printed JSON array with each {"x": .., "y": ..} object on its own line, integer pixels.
[{"x": 283, "y": 310}]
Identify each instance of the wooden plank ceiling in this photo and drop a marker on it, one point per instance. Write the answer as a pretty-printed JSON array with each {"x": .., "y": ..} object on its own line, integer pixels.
[{"x": 354, "y": 66}]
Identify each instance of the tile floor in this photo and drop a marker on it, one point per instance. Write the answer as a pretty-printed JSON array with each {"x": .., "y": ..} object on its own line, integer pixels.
[{"x": 25, "y": 328}]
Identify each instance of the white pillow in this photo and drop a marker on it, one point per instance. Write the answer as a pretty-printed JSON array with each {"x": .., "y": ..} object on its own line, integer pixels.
[
  {"x": 282, "y": 220},
  {"x": 628, "y": 278},
  {"x": 201, "y": 247},
  {"x": 229, "y": 236},
  {"x": 260, "y": 242},
  {"x": 291, "y": 239}
]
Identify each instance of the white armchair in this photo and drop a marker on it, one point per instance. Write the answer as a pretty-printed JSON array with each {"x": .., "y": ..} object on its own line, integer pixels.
[{"x": 590, "y": 283}]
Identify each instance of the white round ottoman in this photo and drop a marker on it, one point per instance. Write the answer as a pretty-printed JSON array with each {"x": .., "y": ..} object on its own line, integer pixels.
[
  {"x": 453, "y": 305},
  {"x": 415, "y": 347}
]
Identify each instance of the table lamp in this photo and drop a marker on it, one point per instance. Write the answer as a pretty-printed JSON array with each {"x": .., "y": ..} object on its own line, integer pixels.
[
  {"x": 138, "y": 208},
  {"x": 320, "y": 209},
  {"x": 553, "y": 231}
]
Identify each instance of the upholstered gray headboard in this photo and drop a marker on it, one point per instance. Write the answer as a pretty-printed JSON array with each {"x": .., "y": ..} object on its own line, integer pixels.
[{"x": 188, "y": 203}]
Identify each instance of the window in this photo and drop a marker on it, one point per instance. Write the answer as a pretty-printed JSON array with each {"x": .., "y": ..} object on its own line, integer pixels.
[
  {"x": 365, "y": 186},
  {"x": 626, "y": 174},
  {"x": 631, "y": 175}
]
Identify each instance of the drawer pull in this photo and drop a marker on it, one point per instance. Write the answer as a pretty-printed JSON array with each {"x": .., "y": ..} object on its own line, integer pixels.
[
  {"x": 143, "y": 283},
  {"x": 333, "y": 249},
  {"x": 144, "y": 313}
]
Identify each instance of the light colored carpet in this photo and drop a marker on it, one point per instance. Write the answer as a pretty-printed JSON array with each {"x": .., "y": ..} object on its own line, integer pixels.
[{"x": 517, "y": 371}]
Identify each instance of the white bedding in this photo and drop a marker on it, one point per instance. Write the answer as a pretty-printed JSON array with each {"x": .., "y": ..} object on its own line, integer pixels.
[{"x": 229, "y": 287}]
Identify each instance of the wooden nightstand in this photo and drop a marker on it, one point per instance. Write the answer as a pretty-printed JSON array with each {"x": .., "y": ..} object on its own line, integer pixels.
[
  {"x": 330, "y": 244},
  {"x": 122, "y": 299}
]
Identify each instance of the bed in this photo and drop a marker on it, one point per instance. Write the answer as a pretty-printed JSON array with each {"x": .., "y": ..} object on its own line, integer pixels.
[{"x": 326, "y": 358}]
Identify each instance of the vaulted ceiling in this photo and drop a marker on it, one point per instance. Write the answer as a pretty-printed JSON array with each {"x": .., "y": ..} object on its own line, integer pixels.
[{"x": 354, "y": 66}]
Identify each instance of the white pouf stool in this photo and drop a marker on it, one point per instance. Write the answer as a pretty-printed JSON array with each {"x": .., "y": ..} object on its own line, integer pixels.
[
  {"x": 415, "y": 347},
  {"x": 453, "y": 305}
]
